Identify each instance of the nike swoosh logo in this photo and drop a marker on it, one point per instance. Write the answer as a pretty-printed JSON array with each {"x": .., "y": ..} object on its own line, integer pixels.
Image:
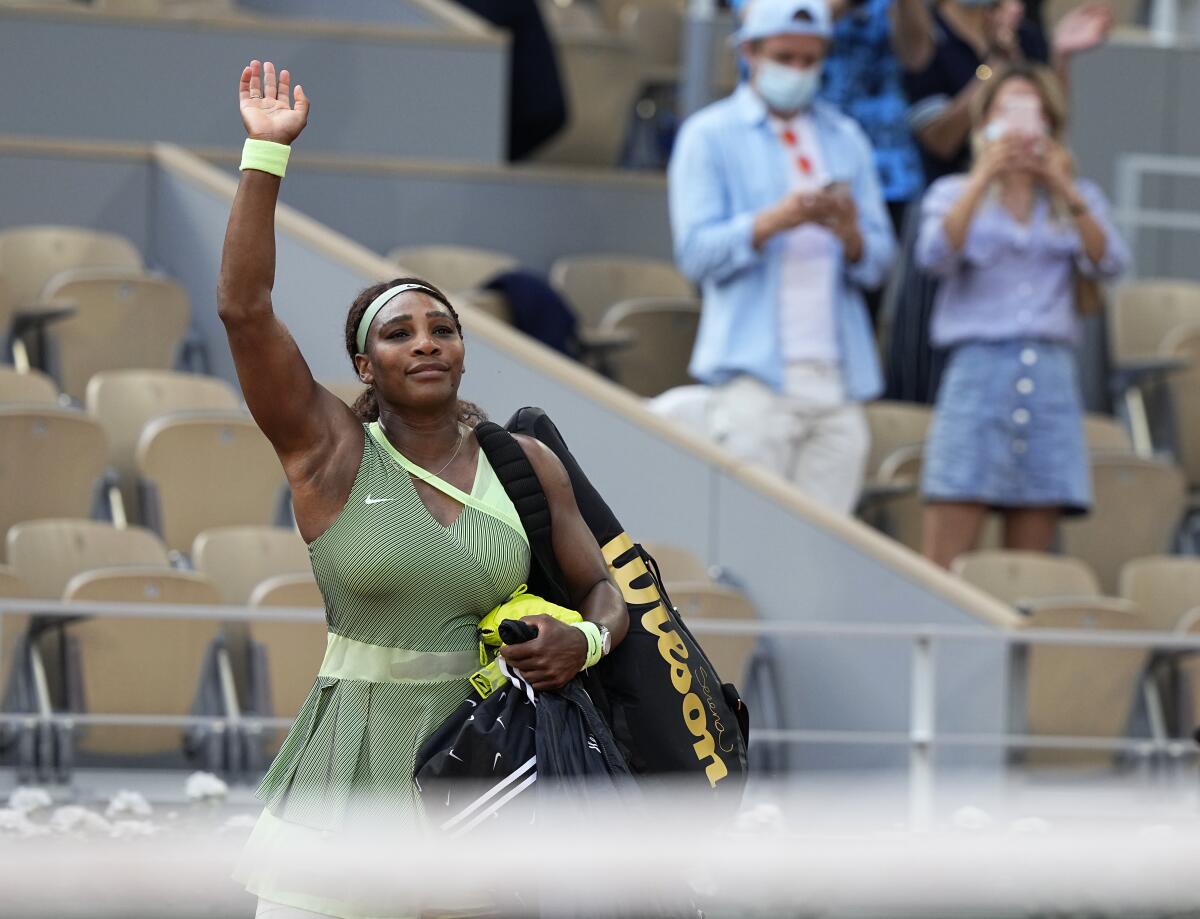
[
  {"x": 496, "y": 760},
  {"x": 370, "y": 500}
]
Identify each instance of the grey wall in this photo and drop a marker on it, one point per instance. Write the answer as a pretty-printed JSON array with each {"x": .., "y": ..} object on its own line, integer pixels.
[
  {"x": 176, "y": 81},
  {"x": 102, "y": 194},
  {"x": 1135, "y": 97},
  {"x": 391, "y": 12},
  {"x": 536, "y": 215}
]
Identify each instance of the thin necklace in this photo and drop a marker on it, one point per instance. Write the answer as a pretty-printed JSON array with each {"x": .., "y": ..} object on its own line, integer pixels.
[{"x": 433, "y": 475}]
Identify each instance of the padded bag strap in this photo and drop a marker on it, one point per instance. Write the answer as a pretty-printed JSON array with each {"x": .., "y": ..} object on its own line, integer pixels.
[{"x": 524, "y": 489}]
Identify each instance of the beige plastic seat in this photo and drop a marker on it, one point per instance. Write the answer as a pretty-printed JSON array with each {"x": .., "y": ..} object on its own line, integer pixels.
[
  {"x": 452, "y": 267},
  {"x": 1080, "y": 691},
  {"x": 677, "y": 563},
  {"x": 1163, "y": 587},
  {"x": 894, "y": 425},
  {"x": 1104, "y": 434},
  {"x": 1188, "y": 668},
  {"x": 51, "y": 463},
  {"x": 121, "y": 320},
  {"x": 655, "y": 27},
  {"x": 139, "y": 665},
  {"x": 1018, "y": 577},
  {"x": 492, "y": 302},
  {"x": 123, "y": 401},
  {"x": 205, "y": 471},
  {"x": 13, "y": 626},
  {"x": 48, "y": 553},
  {"x": 293, "y": 650},
  {"x": 1138, "y": 504},
  {"x": 729, "y": 654},
  {"x": 239, "y": 558},
  {"x": 1184, "y": 342},
  {"x": 602, "y": 77},
  {"x": 592, "y": 284},
  {"x": 29, "y": 387},
  {"x": 661, "y": 333},
  {"x": 573, "y": 17},
  {"x": 31, "y": 256},
  {"x": 1144, "y": 312}
]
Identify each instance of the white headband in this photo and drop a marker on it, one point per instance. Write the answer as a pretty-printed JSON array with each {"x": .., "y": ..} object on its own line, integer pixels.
[{"x": 377, "y": 304}]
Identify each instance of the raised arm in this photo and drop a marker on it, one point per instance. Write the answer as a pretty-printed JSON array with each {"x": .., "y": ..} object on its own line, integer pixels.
[{"x": 303, "y": 421}]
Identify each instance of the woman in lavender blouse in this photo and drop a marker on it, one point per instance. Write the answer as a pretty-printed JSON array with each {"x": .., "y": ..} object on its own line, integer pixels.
[{"x": 1010, "y": 239}]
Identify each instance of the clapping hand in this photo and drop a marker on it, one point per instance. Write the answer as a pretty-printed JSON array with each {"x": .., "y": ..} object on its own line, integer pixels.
[
  {"x": 1082, "y": 29},
  {"x": 266, "y": 108}
]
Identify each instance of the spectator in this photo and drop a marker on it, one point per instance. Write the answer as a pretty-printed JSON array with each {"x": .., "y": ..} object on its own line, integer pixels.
[
  {"x": 966, "y": 44},
  {"x": 1010, "y": 240},
  {"x": 862, "y": 77},
  {"x": 776, "y": 211}
]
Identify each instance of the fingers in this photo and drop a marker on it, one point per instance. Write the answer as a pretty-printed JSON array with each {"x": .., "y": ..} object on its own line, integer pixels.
[
  {"x": 244, "y": 84},
  {"x": 255, "y": 86},
  {"x": 301, "y": 101},
  {"x": 269, "y": 87},
  {"x": 285, "y": 85}
]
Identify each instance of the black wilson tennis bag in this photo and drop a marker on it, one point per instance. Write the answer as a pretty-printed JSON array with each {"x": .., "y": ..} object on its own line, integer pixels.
[{"x": 668, "y": 709}]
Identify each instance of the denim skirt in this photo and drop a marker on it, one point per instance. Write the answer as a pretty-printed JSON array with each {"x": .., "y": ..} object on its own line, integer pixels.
[{"x": 1008, "y": 429}]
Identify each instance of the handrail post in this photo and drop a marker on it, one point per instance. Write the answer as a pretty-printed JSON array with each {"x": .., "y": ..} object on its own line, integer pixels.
[{"x": 922, "y": 715}]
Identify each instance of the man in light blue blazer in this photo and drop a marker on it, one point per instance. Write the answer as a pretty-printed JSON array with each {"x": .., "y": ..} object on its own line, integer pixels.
[{"x": 777, "y": 213}]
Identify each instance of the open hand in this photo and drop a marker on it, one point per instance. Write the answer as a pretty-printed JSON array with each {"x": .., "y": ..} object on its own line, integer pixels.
[
  {"x": 549, "y": 661},
  {"x": 1082, "y": 29},
  {"x": 266, "y": 107}
]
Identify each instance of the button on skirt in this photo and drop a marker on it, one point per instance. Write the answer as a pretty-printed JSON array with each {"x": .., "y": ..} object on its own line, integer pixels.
[{"x": 1008, "y": 429}]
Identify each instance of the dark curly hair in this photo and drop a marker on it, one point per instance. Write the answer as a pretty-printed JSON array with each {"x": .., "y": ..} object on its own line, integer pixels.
[{"x": 366, "y": 406}]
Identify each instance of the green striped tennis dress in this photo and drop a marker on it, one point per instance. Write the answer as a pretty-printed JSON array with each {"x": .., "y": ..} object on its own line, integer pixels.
[{"x": 403, "y": 597}]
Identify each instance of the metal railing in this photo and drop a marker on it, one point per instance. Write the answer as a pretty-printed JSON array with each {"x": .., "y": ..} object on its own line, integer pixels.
[
  {"x": 1130, "y": 216},
  {"x": 921, "y": 737}
]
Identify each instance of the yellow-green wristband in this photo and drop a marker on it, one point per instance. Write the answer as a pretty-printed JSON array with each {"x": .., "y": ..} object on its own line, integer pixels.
[
  {"x": 591, "y": 632},
  {"x": 265, "y": 156}
]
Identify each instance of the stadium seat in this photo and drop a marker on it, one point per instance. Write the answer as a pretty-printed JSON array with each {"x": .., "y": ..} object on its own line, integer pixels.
[
  {"x": 121, "y": 320},
  {"x": 729, "y": 654},
  {"x": 1138, "y": 505},
  {"x": 52, "y": 463},
  {"x": 1104, "y": 434},
  {"x": 1143, "y": 315},
  {"x": 287, "y": 655},
  {"x": 592, "y": 284},
  {"x": 238, "y": 558},
  {"x": 1164, "y": 587},
  {"x": 200, "y": 471},
  {"x": 655, "y": 28},
  {"x": 1188, "y": 668},
  {"x": 29, "y": 387},
  {"x": 492, "y": 302},
  {"x": 677, "y": 563},
  {"x": 661, "y": 332},
  {"x": 124, "y": 401},
  {"x": 452, "y": 268},
  {"x": 893, "y": 425},
  {"x": 1183, "y": 342},
  {"x": 48, "y": 553},
  {"x": 112, "y": 676},
  {"x": 601, "y": 78},
  {"x": 1080, "y": 691},
  {"x": 31, "y": 256},
  {"x": 1019, "y": 577}
]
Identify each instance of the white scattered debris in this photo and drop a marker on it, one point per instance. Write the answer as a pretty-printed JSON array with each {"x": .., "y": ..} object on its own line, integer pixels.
[
  {"x": 127, "y": 803},
  {"x": 1029, "y": 826},
  {"x": 971, "y": 818},
  {"x": 76, "y": 819},
  {"x": 16, "y": 823},
  {"x": 27, "y": 799},
  {"x": 124, "y": 829},
  {"x": 204, "y": 786}
]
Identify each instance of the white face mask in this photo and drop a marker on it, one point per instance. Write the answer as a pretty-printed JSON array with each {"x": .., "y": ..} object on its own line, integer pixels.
[{"x": 787, "y": 89}]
